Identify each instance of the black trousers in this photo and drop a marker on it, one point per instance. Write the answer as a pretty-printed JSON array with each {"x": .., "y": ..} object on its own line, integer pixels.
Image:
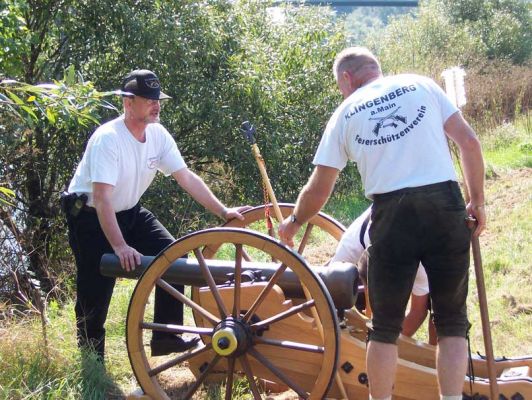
[
  {"x": 422, "y": 224},
  {"x": 142, "y": 231}
]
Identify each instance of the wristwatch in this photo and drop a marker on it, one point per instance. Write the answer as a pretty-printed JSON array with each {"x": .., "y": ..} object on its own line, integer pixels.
[{"x": 293, "y": 219}]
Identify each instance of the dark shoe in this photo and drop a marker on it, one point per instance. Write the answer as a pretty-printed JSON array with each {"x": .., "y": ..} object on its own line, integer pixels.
[{"x": 162, "y": 347}]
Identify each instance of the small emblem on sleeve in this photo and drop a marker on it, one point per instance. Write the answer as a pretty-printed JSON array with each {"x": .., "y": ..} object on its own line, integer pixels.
[{"x": 153, "y": 162}]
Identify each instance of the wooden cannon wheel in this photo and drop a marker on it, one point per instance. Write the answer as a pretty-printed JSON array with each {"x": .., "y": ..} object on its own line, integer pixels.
[
  {"x": 242, "y": 337},
  {"x": 316, "y": 244},
  {"x": 321, "y": 228}
]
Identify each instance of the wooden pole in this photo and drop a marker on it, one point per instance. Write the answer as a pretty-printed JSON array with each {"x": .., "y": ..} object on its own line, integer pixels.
[
  {"x": 484, "y": 315},
  {"x": 249, "y": 130},
  {"x": 266, "y": 180},
  {"x": 454, "y": 86}
]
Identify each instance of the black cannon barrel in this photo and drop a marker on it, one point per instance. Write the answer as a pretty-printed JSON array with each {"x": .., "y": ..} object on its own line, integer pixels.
[{"x": 339, "y": 278}]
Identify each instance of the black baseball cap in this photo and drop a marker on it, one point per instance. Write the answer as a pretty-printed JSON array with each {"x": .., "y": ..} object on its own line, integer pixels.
[{"x": 143, "y": 83}]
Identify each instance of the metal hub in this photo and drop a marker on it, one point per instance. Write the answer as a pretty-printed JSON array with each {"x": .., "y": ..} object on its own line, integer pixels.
[{"x": 231, "y": 338}]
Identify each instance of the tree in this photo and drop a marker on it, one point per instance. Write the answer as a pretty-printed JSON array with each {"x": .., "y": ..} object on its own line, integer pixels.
[
  {"x": 426, "y": 42},
  {"x": 41, "y": 132},
  {"x": 451, "y": 32},
  {"x": 503, "y": 26},
  {"x": 222, "y": 62}
]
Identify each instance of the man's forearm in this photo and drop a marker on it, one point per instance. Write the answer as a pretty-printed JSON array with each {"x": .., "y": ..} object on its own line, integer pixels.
[
  {"x": 315, "y": 193},
  {"x": 467, "y": 141},
  {"x": 309, "y": 202},
  {"x": 195, "y": 186},
  {"x": 473, "y": 166},
  {"x": 109, "y": 224}
]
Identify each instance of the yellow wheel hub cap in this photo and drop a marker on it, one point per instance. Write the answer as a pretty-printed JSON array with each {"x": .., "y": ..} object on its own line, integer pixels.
[{"x": 224, "y": 342}]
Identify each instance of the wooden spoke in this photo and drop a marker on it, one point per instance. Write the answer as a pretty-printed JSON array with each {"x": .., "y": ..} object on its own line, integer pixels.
[
  {"x": 229, "y": 382},
  {"x": 289, "y": 345},
  {"x": 278, "y": 373},
  {"x": 178, "y": 360},
  {"x": 170, "y": 328},
  {"x": 249, "y": 374},
  {"x": 212, "y": 285},
  {"x": 264, "y": 292},
  {"x": 306, "y": 236},
  {"x": 285, "y": 314},
  {"x": 238, "y": 277},
  {"x": 184, "y": 299},
  {"x": 246, "y": 256},
  {"x": 202, "y": 377}
]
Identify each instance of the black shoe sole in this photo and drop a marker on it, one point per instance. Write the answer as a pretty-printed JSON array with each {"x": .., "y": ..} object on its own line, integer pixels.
[{"x": 169, "y": 347}]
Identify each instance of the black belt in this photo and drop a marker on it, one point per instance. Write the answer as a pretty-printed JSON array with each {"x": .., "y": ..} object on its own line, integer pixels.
[
  {"x": 425, "y": 188},
  {"x": 89, "y": 209}
]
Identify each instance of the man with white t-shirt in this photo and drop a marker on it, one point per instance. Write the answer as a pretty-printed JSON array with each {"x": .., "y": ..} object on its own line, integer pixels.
[
  {"x": 395, "y": 129},
  {"x": 104, "y": 214},
  {"x": 352, "y": 247}
]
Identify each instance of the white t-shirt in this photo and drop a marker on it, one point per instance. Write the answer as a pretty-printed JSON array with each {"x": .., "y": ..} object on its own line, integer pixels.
[
  {"x": 115, "y": 157},
  {"x": 392, "y": 128},
  {"x": 352, "y": 245}
]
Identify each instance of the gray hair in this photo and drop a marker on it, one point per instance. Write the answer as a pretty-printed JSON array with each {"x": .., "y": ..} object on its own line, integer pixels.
[{"x": 353, "y": 58}]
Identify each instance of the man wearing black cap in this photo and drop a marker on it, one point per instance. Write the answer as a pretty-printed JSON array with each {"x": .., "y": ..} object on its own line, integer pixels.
[{"x": 104, "y": 214}]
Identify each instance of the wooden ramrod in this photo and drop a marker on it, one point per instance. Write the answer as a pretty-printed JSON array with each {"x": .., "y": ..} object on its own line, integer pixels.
[{"x": 340, "y": 278}]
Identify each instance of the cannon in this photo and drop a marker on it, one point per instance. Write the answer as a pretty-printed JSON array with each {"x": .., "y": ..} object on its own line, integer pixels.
[
  {"x": 339, "y": 278},
  {"x": 264, "y": 330}
]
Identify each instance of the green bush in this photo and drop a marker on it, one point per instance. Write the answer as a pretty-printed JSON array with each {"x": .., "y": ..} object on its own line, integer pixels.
[
  {"x": 426, "y": 42},
  {"x": 503, "y": 26},
  {"x": 222, "y": 63},
  {"x": 42, "y": 129}
]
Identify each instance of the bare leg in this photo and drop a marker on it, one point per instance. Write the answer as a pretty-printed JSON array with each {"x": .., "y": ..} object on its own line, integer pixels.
[
  {"x": 381, "y": 362},
  {"x": 416, "y": 314},
  {"x": 451, "y": 364},
  {"x": 433, "y": 336}
]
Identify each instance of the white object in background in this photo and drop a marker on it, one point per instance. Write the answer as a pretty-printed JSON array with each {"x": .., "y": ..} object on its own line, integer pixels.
[{"x": 454, "y": 85}]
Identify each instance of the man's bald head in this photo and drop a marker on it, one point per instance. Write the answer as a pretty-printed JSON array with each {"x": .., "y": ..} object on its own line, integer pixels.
[
  {"x": 354, "y": 67},
  {"x": 353, "y": 59}
]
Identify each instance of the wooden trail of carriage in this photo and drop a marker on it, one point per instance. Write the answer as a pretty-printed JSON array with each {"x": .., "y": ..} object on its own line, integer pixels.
[{"x": 265, "y": 315}]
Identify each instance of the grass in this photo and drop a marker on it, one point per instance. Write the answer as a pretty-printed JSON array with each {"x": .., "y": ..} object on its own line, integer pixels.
[
  {"x": 346, "y": 208},
  {"x": 509, "y": 145},
  {"x": 29, "y": 372},
  {"x": 507, "y": 251},
  {"x": 513, "y": 156}
]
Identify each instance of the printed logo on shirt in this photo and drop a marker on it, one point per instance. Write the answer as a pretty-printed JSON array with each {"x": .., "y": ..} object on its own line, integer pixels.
[
  {"x": 381, "y": 101},
  {"x": 153, "y": 162},
  {"x": 394, "y": 121},
  {"x": 388, "y": 120}
]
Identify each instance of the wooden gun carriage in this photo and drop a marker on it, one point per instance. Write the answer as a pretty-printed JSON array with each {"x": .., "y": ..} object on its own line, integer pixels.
[{"x": 264, "y": 314}]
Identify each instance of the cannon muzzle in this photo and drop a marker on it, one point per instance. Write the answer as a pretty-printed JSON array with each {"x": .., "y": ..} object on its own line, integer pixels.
[{"x": 339, "y": 278}]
